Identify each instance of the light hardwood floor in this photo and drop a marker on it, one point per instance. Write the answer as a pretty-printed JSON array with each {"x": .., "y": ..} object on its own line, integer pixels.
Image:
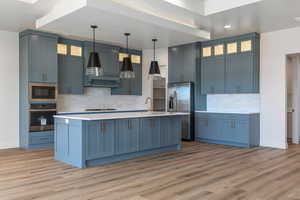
[{"x": 199, "y": 171}]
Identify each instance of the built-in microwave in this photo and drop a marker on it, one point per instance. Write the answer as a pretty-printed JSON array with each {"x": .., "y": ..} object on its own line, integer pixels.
[{"x": 42, "y": 92}]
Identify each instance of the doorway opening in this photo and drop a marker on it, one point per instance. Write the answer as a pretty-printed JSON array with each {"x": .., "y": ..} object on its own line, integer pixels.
[{"x": 293, "y": 98}]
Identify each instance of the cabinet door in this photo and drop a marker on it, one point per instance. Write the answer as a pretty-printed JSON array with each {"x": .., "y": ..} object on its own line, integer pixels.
[
  {"x": 239, "y": 73},
  {"x": 213, "y": 75},
  {"x": 208, "y": 128},
  {"x": 127, "y": 136},
  {"x": 202, "y": 128},
  {"x": 150, "y": 133},
  {"x": 176, "y": 55},
  {"x": 43, "y": 59},
  {"x": 170, "y": 131},
  {"x": 235, "y": 131},
  {"x": 61, "y": 143},
  {"x": 136, "y": 83},
  {"x": 189, "y": 63},
  {"x": 182, "y": 63},
  {"x": 100, "y": 141},
  {"x": 70, "y": 76}
]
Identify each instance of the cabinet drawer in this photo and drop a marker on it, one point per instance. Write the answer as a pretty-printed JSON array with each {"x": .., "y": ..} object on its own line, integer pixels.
[
  {"x": 41, "y": 137},
  {"x": 39, "y": 140}
]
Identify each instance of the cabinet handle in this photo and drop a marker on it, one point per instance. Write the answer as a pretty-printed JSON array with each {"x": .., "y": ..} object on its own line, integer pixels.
[
  {"x": 128, "y": 124},
  {"x": 232, "y": 124},
  {"x": 44, "y": 77},
  {"x": 104, "y": 127},
  {"x": 206, "y": 123}
]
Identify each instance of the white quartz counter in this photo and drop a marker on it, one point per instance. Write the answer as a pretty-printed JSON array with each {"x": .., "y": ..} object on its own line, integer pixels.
[
  {"x": 229, "y": 112},
  {"x": 106, "y": 116}
]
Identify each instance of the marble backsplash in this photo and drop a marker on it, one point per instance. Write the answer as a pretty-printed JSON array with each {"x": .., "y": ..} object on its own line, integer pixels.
[{"x": 233, "y": 103}]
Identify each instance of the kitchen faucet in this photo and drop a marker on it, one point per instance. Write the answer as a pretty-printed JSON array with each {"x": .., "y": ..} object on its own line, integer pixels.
[{"x": 147, "y": 101}]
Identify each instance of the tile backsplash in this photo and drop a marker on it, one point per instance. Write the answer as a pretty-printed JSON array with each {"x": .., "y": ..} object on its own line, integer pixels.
[
  {"x": 233, "y": 103},
  {"x": 99, "y": 98}
]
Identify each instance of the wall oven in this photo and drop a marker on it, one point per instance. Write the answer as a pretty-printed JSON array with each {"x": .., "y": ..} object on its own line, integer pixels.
[
  {"x": 41, "y": 117},
  {"x": 42, "y": 92}
]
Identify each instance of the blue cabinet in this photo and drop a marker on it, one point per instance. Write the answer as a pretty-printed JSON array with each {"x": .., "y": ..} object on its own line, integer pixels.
[
  {"x": 149, "y": 133},
  {"x": 212, "y": 75},
  {"x": 83, "y": 143},
  {"x": 230, "y": 65},
  {"x": 41, "y": 57},
  {"x": 182, "y": 63},
  {"x": 240, "y": 130},
  {"x": 100, "y": 139},
  {"x": 109, "y": 61},
  {"x": 70, "y": 69},
  {"x": 170, "y": 131},
  {"x": 127, "y": 136},
  {"x": 131, "y": 86}
]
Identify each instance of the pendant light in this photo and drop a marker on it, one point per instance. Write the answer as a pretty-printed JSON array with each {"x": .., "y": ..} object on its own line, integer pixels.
[
  {"x": 127, "y": 70},
  {"x": 154, "y": 67},
  {"x": 94, "y": 67}
]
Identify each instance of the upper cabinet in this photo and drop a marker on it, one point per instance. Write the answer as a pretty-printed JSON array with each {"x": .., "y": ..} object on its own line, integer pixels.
[
  {"x": 130, "y": 86},
  {"x": 109, "y": 61},
  {"x": 40, "y": 57},
  {"x": 70, "y": 66},
  {"x": 230, "y": 65},
  {"x": 182, "y": 63}
]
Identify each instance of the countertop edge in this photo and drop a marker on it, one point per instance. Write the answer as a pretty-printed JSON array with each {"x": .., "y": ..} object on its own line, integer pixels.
[{"x": 118, "y": 117}]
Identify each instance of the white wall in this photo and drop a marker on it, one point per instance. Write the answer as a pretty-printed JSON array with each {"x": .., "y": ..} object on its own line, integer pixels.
[
  {"x": 233, "y": 103},
  {"x": 274, "y": 48},
  {"x": 9, "y": 90},
  {"x": 101, "y": 97}
]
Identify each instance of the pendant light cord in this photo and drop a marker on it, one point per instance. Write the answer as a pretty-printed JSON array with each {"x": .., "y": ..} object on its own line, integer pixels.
[
  {"x": 154, "y": 48},
  {"x": 94, "y": 39}
]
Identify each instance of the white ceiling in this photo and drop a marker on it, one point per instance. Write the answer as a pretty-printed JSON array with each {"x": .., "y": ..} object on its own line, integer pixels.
[{"x": 172, "y": 23}]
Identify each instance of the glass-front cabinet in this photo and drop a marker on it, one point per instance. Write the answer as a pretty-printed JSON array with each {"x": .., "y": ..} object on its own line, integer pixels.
[{"x": 230, "y": 65}]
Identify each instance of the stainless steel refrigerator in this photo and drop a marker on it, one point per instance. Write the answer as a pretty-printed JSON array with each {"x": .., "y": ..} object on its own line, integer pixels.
[{"x": 181, "y": 99}]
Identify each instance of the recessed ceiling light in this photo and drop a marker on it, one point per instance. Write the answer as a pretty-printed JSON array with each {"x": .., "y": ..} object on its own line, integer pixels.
[
  {"x": 297, "y": 19},
  {"x": 29, "y": 1},
  {"x": 228, "y": 26}
]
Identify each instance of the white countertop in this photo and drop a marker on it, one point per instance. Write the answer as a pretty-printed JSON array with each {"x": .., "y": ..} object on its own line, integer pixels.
[
  {"x": 124, "y": 115},
  {"x": 229, "y": 112},
  {"x": 91, "y": 112}
]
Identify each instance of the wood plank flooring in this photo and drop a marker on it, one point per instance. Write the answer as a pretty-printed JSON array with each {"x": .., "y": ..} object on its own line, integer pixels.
[{"x": 197, "y": 172}]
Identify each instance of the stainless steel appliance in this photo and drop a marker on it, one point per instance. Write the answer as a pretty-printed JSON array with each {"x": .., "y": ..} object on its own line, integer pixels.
[
  {"x": 42, "y": 92},
  {"x": 181, "y": 99},
  {"x": 41, "y": 117}
]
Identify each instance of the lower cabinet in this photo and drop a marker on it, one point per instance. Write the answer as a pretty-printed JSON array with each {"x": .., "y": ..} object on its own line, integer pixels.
[
  {"x": 240, "y": 130},
  {"x": 127, "y": 136},
  {"x": 150, "y": 133},
  {"x": 170, "y": 131},
  {"x": 83, "y": 143},
  {"x": 42, "y": 139},
  {"x": 100, "y": 139}
]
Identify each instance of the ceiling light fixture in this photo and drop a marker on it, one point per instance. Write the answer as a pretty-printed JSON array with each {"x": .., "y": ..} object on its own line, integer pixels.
[
  {"x": 127, "y": 69},
  {"x": 228, "y": 26},
  {"x": 297, "y": 19},
  {"x": 154, "y": 67},
  {"x": 94, "y": 65},
  {"x": 29, "y": 1}
]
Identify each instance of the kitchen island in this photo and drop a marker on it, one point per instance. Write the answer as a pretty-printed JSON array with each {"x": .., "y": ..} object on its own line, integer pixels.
[{"x": 94, "y": 139}]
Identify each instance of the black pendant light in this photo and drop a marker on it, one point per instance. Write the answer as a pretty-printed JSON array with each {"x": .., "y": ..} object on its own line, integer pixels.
[
  {"x": 127, "y": 70},
  {"x": 154, "y": 67},
  {"x": 94, "y": 65}
]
